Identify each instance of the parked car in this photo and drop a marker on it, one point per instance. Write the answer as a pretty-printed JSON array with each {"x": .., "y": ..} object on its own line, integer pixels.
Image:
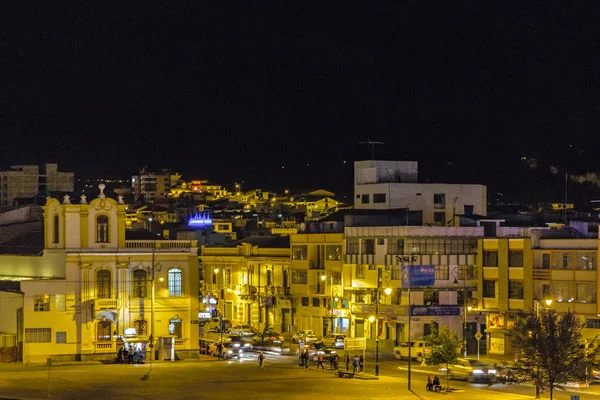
[
  {"x": 242, "y": 330},
  {"x": 418, "y": 350},
  {"x": 305, "y": 336},
  {"x": 335, "y": 340},
  {"x": 470, "y": 370},
  {"x": 230, "y": 350},
  {"x": 269, "y": 336}
]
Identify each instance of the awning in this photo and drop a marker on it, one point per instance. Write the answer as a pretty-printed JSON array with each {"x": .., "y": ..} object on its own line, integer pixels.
[{"x": 107, "y": 316}]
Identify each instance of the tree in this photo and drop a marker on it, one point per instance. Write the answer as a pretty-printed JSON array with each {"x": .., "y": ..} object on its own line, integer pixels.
[
  {"x": 445, "y": 346},
  {"x": 550, "y": 350}
]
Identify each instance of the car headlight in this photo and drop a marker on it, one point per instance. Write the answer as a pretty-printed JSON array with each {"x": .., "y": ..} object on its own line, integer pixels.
[
  {"x": 477, "y": 371},
  {"x": 247, "y": 345},
  {"x": 240, "y": 352},
  {"x": 229, "y": 352},
  {"x": 492, "y": 371},
  {"x": 236, "y": 345}
]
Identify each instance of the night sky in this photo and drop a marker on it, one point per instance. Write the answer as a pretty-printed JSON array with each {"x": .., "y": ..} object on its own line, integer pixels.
[{"x": 279, "y": 95}]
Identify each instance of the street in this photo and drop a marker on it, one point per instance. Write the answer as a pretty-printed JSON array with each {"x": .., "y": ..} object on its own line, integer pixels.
[{"x": 210, "y": 378}]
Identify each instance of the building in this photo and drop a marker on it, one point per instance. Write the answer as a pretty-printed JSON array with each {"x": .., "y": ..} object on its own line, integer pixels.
[
  {"x": 24, "y": 181},
  {"x": 151, "y": 186},
  {"x": 104, "y": 290},
  {"x": 383, "y": 185}
]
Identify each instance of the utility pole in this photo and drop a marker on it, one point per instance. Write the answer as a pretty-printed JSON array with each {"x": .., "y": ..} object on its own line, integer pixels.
[
  {"x": 377, "y": 322},
  {"x": 372, "y": 144},
  {"x": 152, "y": 289}
]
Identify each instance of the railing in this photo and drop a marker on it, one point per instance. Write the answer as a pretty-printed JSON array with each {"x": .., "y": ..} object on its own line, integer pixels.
[
  {"x": 104, "y": 347},
  {"x": 316, "y": 289},
  {"x": 160, "y": 244},
  {"x": 180, "y": 342},
  {"x": 316, "y": 265},
  {"x": 106, "y": 304},
  {"x": 541, "y": 274}
]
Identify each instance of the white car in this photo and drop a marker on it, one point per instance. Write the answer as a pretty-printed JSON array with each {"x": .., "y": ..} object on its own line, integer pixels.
[
  {"x": 305, "y": 336},
  {"x": 335, "y": 340},
  {"x": 470, "y": 370},
  {"x": 418, "y": 350},
  {"x": 242, "y": 330}
]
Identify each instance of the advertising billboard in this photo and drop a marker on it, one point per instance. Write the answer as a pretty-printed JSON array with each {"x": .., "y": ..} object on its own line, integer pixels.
[{"x": 418, "y": 276}]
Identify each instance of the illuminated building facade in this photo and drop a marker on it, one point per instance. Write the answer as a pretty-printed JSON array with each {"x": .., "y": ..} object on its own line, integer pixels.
[{"x": 31, "y": 180}]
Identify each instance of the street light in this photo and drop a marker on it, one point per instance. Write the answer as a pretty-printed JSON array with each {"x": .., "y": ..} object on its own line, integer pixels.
[
  {"x": 456, "y": 283},
  {"x": 378, "y": 300}
]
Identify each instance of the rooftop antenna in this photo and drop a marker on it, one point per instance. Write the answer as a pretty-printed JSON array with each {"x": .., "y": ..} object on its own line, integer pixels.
[{"x": 372, "y": 144}]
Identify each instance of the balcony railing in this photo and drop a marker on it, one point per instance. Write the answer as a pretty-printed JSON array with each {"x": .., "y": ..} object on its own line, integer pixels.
[
  {"x": 316, "y": 289},
  {"x": 106, "y": 304},
  {"x": 161, "y": 245},
  {"x": 541, "y": 274},
  {"x": 316, "y": 265}
]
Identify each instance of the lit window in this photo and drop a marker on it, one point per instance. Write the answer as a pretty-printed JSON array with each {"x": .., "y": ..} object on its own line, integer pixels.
[
  {"x": 38, "y": 335},
  {"x": 175, "y": 327},
  {"x": 174, "y": 282},
  {"x": 103, "y": 284},
  {"x": 102, "y": 229},
  {"x": 42, "y": 303},
  {"x": 140, "y": 283},
  {"x": 141, "y": 327},
  {"x": 103, "y": 331}
]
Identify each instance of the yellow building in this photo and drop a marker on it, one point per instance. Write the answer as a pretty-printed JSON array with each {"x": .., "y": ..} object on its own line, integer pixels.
[{"x": 114, "y": 292}]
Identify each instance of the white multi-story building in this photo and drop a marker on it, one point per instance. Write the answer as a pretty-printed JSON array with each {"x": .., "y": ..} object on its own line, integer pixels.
[{"x": 384, "y": 185}]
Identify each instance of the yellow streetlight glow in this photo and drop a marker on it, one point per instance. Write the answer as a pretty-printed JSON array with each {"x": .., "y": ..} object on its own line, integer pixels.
[
  {"x": 387, "y": 291},
  {"x": 323, "y": 277},
  {"x": 371, "y": 318},
  {"x": 216, "y": 270},
  {"x": 469, "y": 308},
  {"x": 548, "y": 302}
]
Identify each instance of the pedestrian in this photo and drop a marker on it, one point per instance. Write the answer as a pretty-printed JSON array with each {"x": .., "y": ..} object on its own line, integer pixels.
[
  {"x": 130, "y": 357},
  {"x": 305, "y": 358},
  {"x": 355, "y": 363},
  {"x": 120, "y": 355},
  {"x": 220, "y": 349},
  {"x": 429, "y": 383},
  {"x": 361, "y": 363},
  {"x": 320, "y": 361},
  {"x": 436, "y": 381},
  {"x": 347, "y": 361},
  {"x": 126, "y": 355},
  {"x": 331, "y": 360},
  {"x": 261, "y": 358},
  {"x": 336, "y": 361},
  {"x": 137, "y": 355}
]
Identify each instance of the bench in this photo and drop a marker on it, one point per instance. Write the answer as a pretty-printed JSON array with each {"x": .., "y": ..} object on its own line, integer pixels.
[
  {"x": 438, "y": 388},
  {"x": 346, "y": 374}
]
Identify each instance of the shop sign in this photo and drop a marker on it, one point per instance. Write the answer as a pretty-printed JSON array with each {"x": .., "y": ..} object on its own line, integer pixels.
[
  {"x": 130, "y": 332},
  {"x": 204, "y": 315},
  {"x": 439, "y": 311},
  {"x": 418, "y": 276}
]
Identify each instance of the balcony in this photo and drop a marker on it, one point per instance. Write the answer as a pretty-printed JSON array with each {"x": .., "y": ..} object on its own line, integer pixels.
[
  {"x": 316, "y": 265},
  {"x": 316, "y": 289},
  {"x": 105, "y": 347},
  {"x": 183, "y": 246},
  {"x": 106, "y": 304},
  {"x": 541, "y": 274}
]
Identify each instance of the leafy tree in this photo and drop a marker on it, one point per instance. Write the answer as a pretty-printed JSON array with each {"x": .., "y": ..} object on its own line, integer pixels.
[
  {"x": 550, "y": 350},
  {"x": 445, "y": 346}
]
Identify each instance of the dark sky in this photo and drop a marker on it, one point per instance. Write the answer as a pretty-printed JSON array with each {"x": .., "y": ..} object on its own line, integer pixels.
[{"x": 280, "y": 95}]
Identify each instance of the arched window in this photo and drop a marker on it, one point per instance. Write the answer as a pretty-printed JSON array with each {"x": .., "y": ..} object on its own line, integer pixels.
[
  {"x": 141, "y": 327},
  {"x": 55, "y": 230},
  {"x": 140, "y": 283},
  {"x": 103, "y": 331},
  {"x": 175, "y": 327},
  {"x": 102, "y": 229},
  {"x": 103, "y": 284},
  {"x": 174, "y": 282}
]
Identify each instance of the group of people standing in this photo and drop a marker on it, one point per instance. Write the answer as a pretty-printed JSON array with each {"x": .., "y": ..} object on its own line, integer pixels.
[
  {"x": 358, "y": 364},
  {"x": 334, "y": 360},
  {"x": 129, "y": 355}
]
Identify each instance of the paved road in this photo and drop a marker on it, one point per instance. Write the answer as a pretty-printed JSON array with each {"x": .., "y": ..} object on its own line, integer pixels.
[{"x": 236, "y": 379}]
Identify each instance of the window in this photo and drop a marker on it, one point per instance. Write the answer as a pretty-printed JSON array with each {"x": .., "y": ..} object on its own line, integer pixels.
[
  {"x": 316, "y": 302},
  {"x": 380, "y": 241},
  {"x": 561, "y": 261},
  {"x": 360, "y": 271},
  {"x": 299, "y": 277},
  {"x": 430, "y": 297},
  {"x": 360, "y": 298},
  {"x": 490, "y": 258},
  {"x": 228, "y": 277},
  {"x": 586, "y": 292},
  {"x": 545, "y": 261},
  {"x": 371, "y": 267},
  {"x": 333, "y": 252},
  {"x": 586, "y": 261},
  {"x": 141, "y": 327},
  {"x": 442, "y": 272},
  {"x": 563, "y": 291},
  {"x": 305, "y": 301},
  {"x": 103, "y": 284},
  {"x": 515, "y": 290},
  {"x": 364, "y": 199},
  {"x": 175, "y": 327},
  {"x": 55, "y": 235},
  {"x": 102, "y": 229},
  {"x": 395, "y": 246},
  {"x": 489, "y": 288},
  {"x": 140, "y": 278},
  {"x": 41, "y": 302},
  {"x": 299, "y": 252},
  {"x": 439, "y": 218},
  {"x": 439, "y": 200},
  {"x": 396, "y": 272},
  {"x": 174, "y": 282},
  {"x": 592, "y": 323},
  {"x": 61, "y": 337},
  {"x": 38, "y": 335},
  {"x": 352, "y": 246},
  {"x": 368, "y": 246},
  {"x": 269, "y": 277},
  {"x": 515, "y": 259},
  {"x": 103, "y": 331},
  {"x": 379, "y": 198},
  {"x": 60, "y": 302}
]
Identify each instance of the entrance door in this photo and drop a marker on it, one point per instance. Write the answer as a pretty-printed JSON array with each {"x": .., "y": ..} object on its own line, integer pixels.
[
  {"x": 399, "y": 333},
  {"x": 359, "y": 328}
]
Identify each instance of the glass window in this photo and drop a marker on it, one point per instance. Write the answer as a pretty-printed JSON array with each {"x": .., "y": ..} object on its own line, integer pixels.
[
  {"x": 360, "y": 271},
  {"x": 439, "y": 200},
  {"x": 490, "y": 258},
  {"x": 141, "y": 327},
  {"x": 489, "y": 288},
  {"x": 175, "y": 282},
  {"x": 60, "y": 302},
  {"x": 442, "y": 272},
  {"x": 175, "y": 327},
  {"x": 61, "y": 337},
  {"x": 379, "y": 198},
  {"x": 359, "y": 298},
  {"x": 299, "y": 252},
  {"x": 55, "y": 236},
  {"x": 228, "y": 277},
  {"x": 586, "y": 292},
  {"x": 139, "y": 283},
  {"x": 102, "y": 229},
  {"x": 395, "y": 246},
  {"x": 38, "y": 335},
  {"x": 561, "y": 261},
  {"x": 103, "y": 331},
  {"x": 364, "y": 199},
  {"x": 586, "y": 261},
  {"x": 396, "y": 272},
  {"x": 515, "y": 259},
  {"x": 41, "y": 302},
  {"x": 299, "y": 277},
  {"x": 592, "y": 323},
  {"x": 305, "y": 301},
  {"x": 515, "y": 290},
  {"x": 352, "y": 246},
  {"x": 439, "y": 218},
  {"x": 103, "y": 284},
  {"x": 316, "y": 302},
  {"x": 333, "y": 252},
  {"x": 563, "y": 291},
  {"x": 368, "y": 246}
]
